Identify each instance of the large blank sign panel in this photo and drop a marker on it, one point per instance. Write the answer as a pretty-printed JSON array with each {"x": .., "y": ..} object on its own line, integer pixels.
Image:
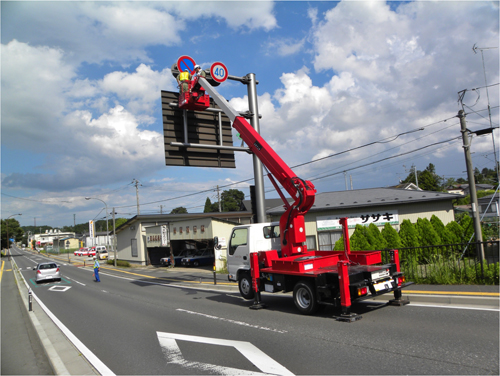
[{"x": 203, "y": 127}]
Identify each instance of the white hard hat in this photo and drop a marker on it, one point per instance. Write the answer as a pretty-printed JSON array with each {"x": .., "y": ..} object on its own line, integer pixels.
[
  {"x": 94, "y": 257},
  {"x": 196, "y": 66}
]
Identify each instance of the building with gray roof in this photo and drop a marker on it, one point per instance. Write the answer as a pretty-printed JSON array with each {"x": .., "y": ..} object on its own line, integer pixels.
[{"x": 365, "y": 206}]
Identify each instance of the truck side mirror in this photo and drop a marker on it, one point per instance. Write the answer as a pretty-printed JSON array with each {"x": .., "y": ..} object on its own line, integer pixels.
[{"x": 216, "y": 243}]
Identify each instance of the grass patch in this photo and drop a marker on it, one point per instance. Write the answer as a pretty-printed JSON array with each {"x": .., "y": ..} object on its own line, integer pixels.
[{"x": 451, "y": 270}]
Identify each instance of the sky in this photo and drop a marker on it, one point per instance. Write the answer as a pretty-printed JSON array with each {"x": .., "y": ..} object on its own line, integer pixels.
[{"x": 81, "y": 109}]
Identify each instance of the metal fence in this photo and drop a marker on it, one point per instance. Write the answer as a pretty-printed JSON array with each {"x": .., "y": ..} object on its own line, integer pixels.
[{"x": 450, "y": 263}]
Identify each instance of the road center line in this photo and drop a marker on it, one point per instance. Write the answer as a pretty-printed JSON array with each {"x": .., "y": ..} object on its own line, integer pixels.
[{"x": 232, "y": 321}]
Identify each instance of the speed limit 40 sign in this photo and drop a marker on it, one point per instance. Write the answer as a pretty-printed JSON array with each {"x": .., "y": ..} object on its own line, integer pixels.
[{"x": 218, "y": 71}]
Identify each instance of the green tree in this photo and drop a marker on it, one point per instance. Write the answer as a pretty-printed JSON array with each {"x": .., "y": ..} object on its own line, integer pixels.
[
  {"x": 359, "y": 240},
  {"x": 441, "y": 230},
  {"x": 375, "y": 238},
  {"x": 391, "y": 237},
  {"x": 208, "y": 206},
  {"x": 179, "y": 210},
  {"x": 408, "y": 234},
  {"x": 427, "y": 180},
  {"x": 455, "y": 231},
  {"x": 339, "y": 244},
  {"x": 427, "y": 236},
  {"x": 467, "y": 225},
  {"x": 15, "y": 231},
  {"x": 231, "y": 200},
  {"x": 426, "y": 233}
]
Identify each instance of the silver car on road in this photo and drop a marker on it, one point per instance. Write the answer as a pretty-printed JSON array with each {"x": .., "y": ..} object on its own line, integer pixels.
[{"x": 47, "y": 271}]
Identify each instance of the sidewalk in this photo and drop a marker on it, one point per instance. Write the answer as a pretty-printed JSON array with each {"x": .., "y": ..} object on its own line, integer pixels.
[
  {"x": 22, "y": 351},
  {"x": 33, "y": 344}
]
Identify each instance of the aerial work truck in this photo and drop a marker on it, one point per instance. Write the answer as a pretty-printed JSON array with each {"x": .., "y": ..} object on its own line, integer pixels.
[{"x": 273, "y": 257}]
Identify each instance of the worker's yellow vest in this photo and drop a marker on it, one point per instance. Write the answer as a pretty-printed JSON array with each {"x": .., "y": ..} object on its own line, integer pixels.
[{"x": 184, "y": 76}]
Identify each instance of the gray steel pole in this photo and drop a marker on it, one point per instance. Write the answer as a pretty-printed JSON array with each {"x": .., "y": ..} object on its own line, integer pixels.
[
  {"x": 257, "y": 164},
  {"x": 114, "y": 235},
  {"x": 472, "y": 188}
]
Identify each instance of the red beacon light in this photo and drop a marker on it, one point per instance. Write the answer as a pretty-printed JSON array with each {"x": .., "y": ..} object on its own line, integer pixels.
[{"x": 195, "y": 98}]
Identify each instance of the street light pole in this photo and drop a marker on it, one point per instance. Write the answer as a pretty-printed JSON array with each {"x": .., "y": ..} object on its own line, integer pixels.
[{"x": 106, "y": 205}]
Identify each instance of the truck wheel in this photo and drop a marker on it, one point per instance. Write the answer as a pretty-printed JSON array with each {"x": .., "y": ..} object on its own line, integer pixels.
[
  {"x": 304, "y": 297},
  {"x": 245, "y": 286}
]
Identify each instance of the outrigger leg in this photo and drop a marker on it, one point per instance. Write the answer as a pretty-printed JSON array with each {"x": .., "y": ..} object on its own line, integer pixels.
[
  {"x": 345, "y": 296},
  {"x": 254, "y": 262},
  {"x": 398, "y": 297}
]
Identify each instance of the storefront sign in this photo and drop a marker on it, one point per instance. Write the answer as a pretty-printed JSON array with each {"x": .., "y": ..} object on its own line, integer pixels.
[{"x": 332, "y": 222}]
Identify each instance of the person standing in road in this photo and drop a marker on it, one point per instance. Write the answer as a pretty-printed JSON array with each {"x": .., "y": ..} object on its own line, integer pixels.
[{"x": 96, "y": 269}]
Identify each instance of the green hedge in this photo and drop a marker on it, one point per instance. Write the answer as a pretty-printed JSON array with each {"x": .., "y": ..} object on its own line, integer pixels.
[{"x": 119, "y": 263}]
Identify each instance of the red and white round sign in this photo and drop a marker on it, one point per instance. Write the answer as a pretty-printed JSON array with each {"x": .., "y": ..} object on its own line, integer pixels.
[{"x": 218, "y": 71}]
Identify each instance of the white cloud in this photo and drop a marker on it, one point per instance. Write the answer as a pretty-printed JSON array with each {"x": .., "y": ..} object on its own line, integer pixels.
[
  {"x": 285, "y": 47},
  {"x": 120, "y": 32},
  {"x": 34, "y": 81},
  {"x": 141, "y": 88},
  {"x": 237, "y": 14}
]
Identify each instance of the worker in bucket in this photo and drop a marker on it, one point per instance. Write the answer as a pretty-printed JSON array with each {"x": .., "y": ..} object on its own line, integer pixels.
[
  {"x": 183, "y": 80},
  {"x": 199, "y": 72}
]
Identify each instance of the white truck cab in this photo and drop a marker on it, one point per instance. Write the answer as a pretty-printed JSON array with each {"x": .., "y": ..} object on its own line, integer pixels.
[{"x": 246, "y": 239}]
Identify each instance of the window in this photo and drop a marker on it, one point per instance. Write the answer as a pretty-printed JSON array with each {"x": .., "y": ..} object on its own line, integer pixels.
[
  {"x": 271, "y": 232},
  {"x": 175, "y": 230},
  {"x": 202, "y": 228},
  {"x": 187, "y": 229},
  {"x": 327, "y": 239},
  {"x": 239, "y": 237},
  {"x": 195, "y": 229},
  {"x": 133, "y": 246},
  {"x": 311, "y": 242}
]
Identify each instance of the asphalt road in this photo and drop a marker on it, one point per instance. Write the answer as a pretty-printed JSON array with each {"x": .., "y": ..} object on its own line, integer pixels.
[{"x": 140, "y": 325}]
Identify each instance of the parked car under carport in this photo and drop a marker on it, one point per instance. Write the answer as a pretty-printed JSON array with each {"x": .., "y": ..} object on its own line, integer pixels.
[{"x": 202, "y": 257}]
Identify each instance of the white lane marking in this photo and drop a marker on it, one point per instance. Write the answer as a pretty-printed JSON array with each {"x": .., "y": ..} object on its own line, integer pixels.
[
  {"x": 196, "y": 287},
  {"x": 454, "y": 307},
  {"x": 74, "y": 280},
  {"x": 262, "y": 361},
  {"x": 231, "y": 321},
  {"x": 60, "y": 288}
]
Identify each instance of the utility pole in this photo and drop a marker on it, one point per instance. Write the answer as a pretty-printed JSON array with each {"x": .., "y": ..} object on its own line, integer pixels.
[
  {"x": 350, "y": 178},
  {"x": 161, "y": 209},
  {"x": 472, "y": 188},
  {"x": 74, "y": 221},
  {"x": 345, "y": 180},
  {"x": 218, "y": 198},
  {"x": 415, "y": 172},
  {"x": 137, "y": 193},
  {"x": 114, "y": 236}
]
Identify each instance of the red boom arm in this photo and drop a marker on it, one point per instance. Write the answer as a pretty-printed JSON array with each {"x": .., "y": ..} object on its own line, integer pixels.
[{"x": 292, "y": 224}]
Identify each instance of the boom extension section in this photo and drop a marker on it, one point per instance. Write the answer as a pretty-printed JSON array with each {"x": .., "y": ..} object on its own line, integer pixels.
[{"x": 292, "y": 224}]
